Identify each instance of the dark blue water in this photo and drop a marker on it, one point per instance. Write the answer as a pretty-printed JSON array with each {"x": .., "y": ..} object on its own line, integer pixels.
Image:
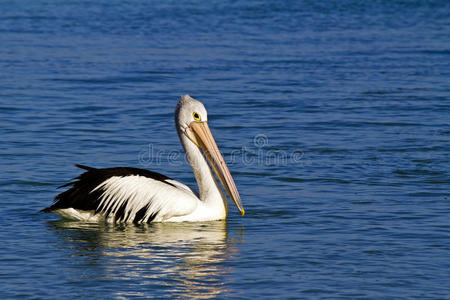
[{"x": 334, "y": 118}]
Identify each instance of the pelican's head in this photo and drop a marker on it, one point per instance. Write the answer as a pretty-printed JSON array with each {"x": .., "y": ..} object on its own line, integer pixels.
[
  {"x": 189, "y": 110},
  {"x": 191, "y": 120}
]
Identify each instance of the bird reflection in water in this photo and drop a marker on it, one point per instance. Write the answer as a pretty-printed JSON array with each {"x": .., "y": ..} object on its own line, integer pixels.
[{"x": 175, "y": 259}]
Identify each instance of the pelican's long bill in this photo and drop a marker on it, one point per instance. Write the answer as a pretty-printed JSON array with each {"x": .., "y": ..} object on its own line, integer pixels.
[{"x": 204, "y": 139}]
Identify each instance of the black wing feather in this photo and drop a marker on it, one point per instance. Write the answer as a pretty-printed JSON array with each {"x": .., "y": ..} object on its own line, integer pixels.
[{"x": 81, "y": 195}]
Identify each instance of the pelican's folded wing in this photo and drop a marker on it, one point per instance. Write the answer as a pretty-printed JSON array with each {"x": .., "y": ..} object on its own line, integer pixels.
[{"x": 125, "y": 195}]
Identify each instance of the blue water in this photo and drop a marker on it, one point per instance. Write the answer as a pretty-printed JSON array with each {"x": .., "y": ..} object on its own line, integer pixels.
[{"x": 333, "y": 117}]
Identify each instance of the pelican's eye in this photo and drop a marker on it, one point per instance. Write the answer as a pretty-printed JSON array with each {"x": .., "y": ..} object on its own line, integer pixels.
[{"x": 196, "y": 116}]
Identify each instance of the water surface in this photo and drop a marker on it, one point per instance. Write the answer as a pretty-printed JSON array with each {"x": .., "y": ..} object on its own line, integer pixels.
[{"x": 333, "y": 118}]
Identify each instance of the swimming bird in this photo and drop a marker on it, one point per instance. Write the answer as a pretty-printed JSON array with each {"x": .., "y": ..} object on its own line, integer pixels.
[{"x": 127, "y": 195}]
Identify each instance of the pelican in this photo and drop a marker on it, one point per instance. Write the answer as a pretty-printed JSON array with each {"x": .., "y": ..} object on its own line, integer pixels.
[{"x": 141, "y": 196}]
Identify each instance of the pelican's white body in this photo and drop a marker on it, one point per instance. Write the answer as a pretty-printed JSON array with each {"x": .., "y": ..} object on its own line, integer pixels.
[
  {"x": 169, "y": 200},
  {"x": 174, "y": 204}
]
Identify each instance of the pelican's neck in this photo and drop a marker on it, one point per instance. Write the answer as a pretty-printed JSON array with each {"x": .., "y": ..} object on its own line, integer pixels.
[{"x": 209, "y": 191}]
